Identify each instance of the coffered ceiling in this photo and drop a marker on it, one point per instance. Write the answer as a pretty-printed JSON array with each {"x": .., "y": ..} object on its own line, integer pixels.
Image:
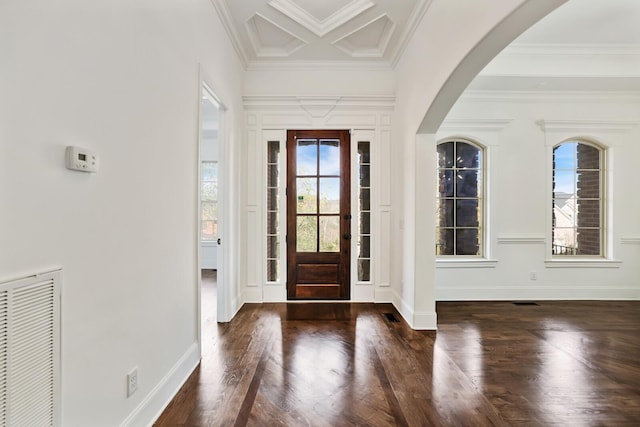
[{"x": 371, "y": 33}]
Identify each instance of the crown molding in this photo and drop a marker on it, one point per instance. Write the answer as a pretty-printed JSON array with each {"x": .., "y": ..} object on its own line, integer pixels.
[
  {"x": 564, "y": 49},
  {"x": 316, "y": 105},
  {"x": 548, "y": 96},
  {"x": 409, "y": 29},
  {"x": 321, "y": 27},
  {"x": 313, "y": 65},
  {"x": 227, "y": 22}
]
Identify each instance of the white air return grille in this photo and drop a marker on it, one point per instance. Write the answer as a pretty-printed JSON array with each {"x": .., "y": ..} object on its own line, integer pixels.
[{"x": 30, "y": 350}]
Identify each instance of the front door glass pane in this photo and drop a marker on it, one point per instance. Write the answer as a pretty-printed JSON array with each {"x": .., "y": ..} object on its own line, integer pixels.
[
  {"x": 307, "y": 193},
  {"x": 329, "y": 234},
  {"x": 307, "y": 157},
  {"x": 330, "y": 157},
  {"x": 307, "y": 234},
  {"x": 330, "y": 195}
]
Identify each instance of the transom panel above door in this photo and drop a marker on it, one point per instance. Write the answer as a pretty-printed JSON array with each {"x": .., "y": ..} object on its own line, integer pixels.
[{"x": 318, "y": 214}]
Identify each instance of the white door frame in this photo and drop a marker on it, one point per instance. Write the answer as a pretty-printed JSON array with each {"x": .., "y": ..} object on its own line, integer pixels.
[{"x": 223, "y": 311}]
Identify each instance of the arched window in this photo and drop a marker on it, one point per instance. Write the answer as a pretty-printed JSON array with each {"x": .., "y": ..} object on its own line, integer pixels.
[
  {"x": 577, "y": 199},
  {"x": 460, "y": 207}
]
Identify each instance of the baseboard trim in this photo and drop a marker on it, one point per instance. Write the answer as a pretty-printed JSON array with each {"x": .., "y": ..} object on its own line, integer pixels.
[
  {"x": 421, "y": 321},
  {"x": 551, "y": 293},
  {"x": 252, "y": 294},
  {"x": 383, "y": 294},
  {"x": 152, "y": 406}
]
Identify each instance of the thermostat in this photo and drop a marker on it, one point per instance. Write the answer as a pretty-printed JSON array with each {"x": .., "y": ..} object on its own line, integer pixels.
[{"x": 81, "y": 159}]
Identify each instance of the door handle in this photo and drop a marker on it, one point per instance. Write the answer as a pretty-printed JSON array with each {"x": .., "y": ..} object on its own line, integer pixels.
[
  {"x": 347, "y": 216},
  {"x": 219, "y": 241},
  {"x": 346, "y": 236}
]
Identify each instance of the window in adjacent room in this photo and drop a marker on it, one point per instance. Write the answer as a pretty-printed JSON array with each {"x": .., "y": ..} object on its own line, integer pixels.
[
  {"x": 577, "y": 199},
  {"x": 209, "y": 200},
  {"x": 460, "y": 204}
]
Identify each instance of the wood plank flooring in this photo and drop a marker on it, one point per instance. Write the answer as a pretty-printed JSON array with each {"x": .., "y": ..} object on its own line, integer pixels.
[{"x": 489, "y": 364}]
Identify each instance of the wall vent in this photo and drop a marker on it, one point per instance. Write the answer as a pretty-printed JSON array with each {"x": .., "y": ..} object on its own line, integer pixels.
[{"x": 30, "y": 350}]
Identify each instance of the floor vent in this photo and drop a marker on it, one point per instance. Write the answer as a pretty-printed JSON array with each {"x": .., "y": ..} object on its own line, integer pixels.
[
  {"x": 391, "y": 317},
  {"x": 524, "y": 303}
]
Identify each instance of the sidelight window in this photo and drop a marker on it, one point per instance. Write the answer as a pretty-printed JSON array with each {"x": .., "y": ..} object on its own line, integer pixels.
[
  {"x": 364, "y": 211},
  {"x": 273, "y": 203}
]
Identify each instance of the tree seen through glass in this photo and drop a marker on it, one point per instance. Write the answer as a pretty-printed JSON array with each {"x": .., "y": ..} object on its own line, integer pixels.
[{"x": 318, "y": 195}]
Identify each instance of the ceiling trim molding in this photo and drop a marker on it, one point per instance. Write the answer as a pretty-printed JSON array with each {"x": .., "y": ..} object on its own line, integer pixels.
[
  {"x": 586, "y": 125},
  {"x": 478, "y": 125},
  {"x": 324, "y": 26},
  {"x": 317, "y": 65},
  {"x": 547, "y": 96},
  {"x": 316, "y": 104},
  {"x": 263, "y": 51},
  {"x": 227, "y": 22},
  {"x": 564, "y": 49},
  {"x": 409, "y": 29},
  {"x": 374, "y": 52}
]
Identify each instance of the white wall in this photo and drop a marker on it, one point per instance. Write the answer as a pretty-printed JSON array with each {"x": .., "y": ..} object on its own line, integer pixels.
[
  {"x": 519, "y": 191},
  {"x": 122, "y": 78},
  {"x": 430, "y": 77},
  {"x": 320, "y": 80}
]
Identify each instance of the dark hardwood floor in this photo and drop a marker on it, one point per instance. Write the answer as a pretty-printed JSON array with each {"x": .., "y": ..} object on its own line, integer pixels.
[{"x": 490, "y": 363}]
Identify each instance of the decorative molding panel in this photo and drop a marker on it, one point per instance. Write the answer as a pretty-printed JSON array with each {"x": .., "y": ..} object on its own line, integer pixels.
[
  {"x": 583, "y": 263},
  {"x": 630, "y": 240},
  {"x": 252, "y": 167},
  {"x": 462, "y": 263},
  {"x": 280, "y": 120},
  {"x": 351, "y": 120},
  {"x": 521, "y": 240},
  {"x": 271, "y": 40},
  {"x": 370, "y": 40},
  {"x": 318, "y": 107},
  {"x": 321, "y": 25},
  {"x": 316, "y": 34}
]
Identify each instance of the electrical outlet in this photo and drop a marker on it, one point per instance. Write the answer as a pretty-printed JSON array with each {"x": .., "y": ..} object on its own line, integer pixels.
[
  {"x": 533, "y": 275},
  {"x": 132, "y": 381}
]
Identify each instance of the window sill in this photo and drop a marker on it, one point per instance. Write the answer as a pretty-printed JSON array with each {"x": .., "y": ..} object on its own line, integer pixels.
[
  {"x": 466, "y": 263},
  {"x": 583, "y": 263}
]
